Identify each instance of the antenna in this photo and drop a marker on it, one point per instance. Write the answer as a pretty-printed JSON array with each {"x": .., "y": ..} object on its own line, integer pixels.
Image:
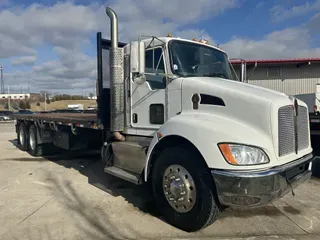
[{"x": 2, "y": 82}]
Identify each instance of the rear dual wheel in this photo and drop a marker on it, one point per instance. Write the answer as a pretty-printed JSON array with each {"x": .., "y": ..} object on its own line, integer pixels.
[
  {"x": 22, "y": 137},
  {"x": 35, "y": 149},
  {"x": 28, "y": 140}
]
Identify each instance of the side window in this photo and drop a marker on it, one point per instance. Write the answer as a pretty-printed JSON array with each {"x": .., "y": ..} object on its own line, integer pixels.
[
  {"x": 155, "y": 56},
  {"x": 158, "y": 60}
]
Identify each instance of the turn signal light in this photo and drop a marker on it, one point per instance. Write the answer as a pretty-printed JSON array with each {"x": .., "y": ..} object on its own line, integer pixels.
[{"x": 225, "y": 149}]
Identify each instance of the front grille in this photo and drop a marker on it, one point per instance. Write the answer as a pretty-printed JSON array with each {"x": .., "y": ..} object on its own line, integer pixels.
[
  {"x": 303, "y": 128},
  {"x": 292, "y": 137}
]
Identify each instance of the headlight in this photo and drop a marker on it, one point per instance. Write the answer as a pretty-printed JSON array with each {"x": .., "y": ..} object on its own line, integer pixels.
[{"x": 237, "y": 154}]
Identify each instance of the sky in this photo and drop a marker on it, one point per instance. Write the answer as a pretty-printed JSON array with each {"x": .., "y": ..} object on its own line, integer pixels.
[{"x": 51, "y": 45}]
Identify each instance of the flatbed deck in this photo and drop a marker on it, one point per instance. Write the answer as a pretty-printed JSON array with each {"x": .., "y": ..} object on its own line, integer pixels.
[{"x": 85, "y": 120}]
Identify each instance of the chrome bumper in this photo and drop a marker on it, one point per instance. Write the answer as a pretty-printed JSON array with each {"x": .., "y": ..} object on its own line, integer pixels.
[{"x": 255, "y": 188}]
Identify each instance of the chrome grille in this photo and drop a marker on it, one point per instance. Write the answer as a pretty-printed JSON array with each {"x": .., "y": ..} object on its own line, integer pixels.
[
  {"x": 303, "y": 128},
  {"x": 286, "y": 130},
  {"x": 289, "y": 137}
]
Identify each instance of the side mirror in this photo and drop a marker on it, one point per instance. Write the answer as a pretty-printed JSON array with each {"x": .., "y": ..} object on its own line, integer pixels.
[
  {"x": 137, "y": 57},
  {"x": 140, "y": 79}
]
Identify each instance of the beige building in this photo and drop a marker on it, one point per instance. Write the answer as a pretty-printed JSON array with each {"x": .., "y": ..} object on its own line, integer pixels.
[
  {"x": 21, "y": 96},
  {"x": 290, "y": 76}
]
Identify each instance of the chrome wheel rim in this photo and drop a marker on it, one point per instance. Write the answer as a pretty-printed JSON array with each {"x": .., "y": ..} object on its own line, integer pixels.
[
  {"x": 179, "y": 188},
  {"x": 32, "y": 140},
  {"x": 21, "y": 136}
]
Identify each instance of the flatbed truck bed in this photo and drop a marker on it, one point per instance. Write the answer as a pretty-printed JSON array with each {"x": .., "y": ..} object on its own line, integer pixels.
[
  {"x": 84, "y": 120},
  {"x": 69, "y": 131}
]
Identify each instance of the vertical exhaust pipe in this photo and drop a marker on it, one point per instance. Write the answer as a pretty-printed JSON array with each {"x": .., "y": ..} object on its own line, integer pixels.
[
  {"x": 116, "y": 79},
  {"x": 113, "y": 27}
]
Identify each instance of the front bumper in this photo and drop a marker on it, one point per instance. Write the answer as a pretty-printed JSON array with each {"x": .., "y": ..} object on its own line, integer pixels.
[{"x": 255, "y": 188}]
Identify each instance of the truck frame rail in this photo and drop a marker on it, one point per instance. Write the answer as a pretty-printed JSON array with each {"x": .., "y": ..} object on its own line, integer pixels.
[{"x": 82, "y": 120}]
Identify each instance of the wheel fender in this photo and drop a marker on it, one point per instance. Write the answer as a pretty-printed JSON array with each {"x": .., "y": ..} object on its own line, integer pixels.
[{"x": 205, "y": 132}]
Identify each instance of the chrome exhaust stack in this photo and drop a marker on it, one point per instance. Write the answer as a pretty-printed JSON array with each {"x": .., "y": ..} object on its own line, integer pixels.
[
  {"x": 116, "y": 79},
  {"x": 113, "y": 27}
]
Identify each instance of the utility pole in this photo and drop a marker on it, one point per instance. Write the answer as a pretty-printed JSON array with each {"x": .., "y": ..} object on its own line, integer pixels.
[
  {"x": 9, "y": 98},
  {"x": 2, "y": 83},
  {"x": 45, "y": 101}
]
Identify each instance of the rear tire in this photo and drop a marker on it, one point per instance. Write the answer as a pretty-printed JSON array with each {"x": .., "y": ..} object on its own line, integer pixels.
[
  {"x": 35, "y": 149},
  {"x": 200, "y": 210},
  {"x": 22, "y": 137}
]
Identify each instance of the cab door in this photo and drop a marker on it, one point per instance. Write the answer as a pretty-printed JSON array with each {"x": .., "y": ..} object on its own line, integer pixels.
[{"x": 148, "y": 101}]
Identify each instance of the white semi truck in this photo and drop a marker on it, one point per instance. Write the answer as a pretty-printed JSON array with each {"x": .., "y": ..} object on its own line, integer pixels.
[{"x": 173, "y": 114}]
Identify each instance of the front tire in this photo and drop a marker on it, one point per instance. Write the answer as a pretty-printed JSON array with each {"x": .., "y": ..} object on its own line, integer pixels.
[{"x": 183, "y": 189}]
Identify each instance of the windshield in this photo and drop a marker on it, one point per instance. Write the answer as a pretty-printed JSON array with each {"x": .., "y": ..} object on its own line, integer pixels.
[{"x": 195, "y": 60}]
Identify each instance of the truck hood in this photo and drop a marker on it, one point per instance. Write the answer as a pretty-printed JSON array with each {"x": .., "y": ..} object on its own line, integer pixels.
[
  {"x": 236, "y": 86},
  {"x": 247, "y": 104}
]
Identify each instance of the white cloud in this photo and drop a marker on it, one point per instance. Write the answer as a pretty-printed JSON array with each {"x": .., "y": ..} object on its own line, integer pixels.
[
  {"x": 72, "y": 65},
  {"x": 294, "y": 42},
  {"x": 260, "y": 5},
  {"x": 68, "y": 27},
  {"x": 314, "y": 25},
  {"x": 279, "y": 12},
  {"x": 63, "y": 24},
  {"x": 10, "y": 46},
  {"x": 146, "y": 9},
  {"x": 4, "y": 2},
  {"x": 288, "y": 43},
  {"x": 26, "y": 60}
]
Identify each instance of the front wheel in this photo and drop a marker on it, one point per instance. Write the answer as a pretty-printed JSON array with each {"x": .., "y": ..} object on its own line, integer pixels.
[{"x": 183, "y": 189}]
